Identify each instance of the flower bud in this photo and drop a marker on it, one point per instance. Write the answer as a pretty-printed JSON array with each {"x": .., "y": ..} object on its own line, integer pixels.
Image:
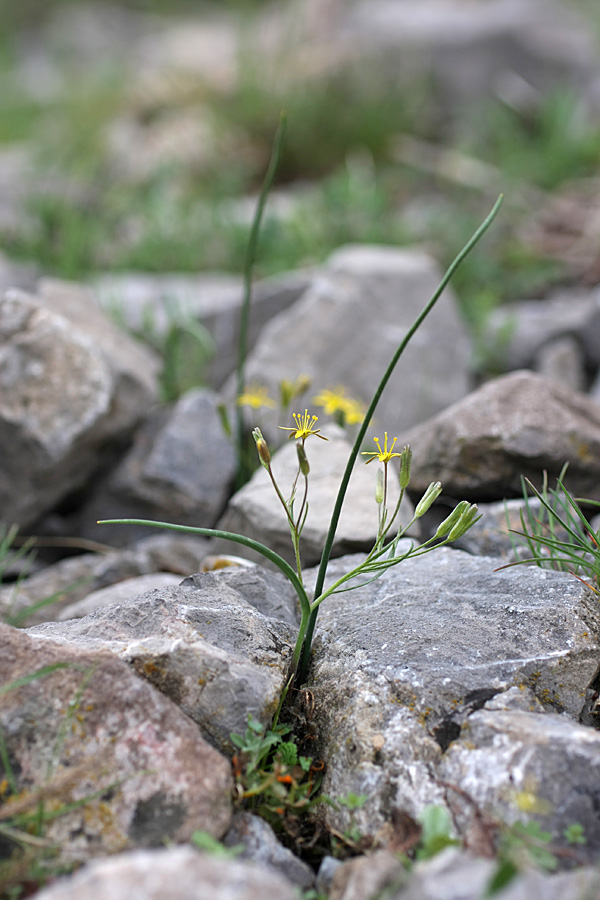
[
  {"x": 261, "y": 448},
  {"x": 379, "y": 488},
  {"x": 302, "y": 384},
  {"x": 450, "y": 521},
  {"x": 302, "y": 459},
  {"x": 432, "y": 493},
  {"x": 405, "y": 461},
  {"x": 468, "y": 518},
  {"x": 286, "y": 392}
]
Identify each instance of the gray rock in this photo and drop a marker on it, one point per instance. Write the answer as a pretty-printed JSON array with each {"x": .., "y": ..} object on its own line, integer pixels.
[
  {"x": 401, "y": 663},
  {"x": 154, "y": 302},
  {"x": 256, "y": 511},
  {"x": 135, "y": 366},
  {"x": 368, "y": 876},
  {"x": 179, "y": 469},
  {"x": 262, "y": 847},
  {"x": 498, "y": 50},
  {"x": 519, "y": 766},
  {"x": 44, "y": 595},
  {"x": 325, "y": 874},
  {"x": 270, "y": 593},
  {"x": 85, "y": 726},
  {"x": 71, "y": 386},
  {"x": 14, "y": 274},
  {"x": 368, "y": 297},
  {"x": 202, "y": 644},
  {"x": 562, "y": 361},
  {"x": 179, "y": 873},
  {"x": 118, "y": 593},
  {"x": 519, "y": 424},
  {"x": 520, "y": 331},
  {"x": 455, "y": 875}
]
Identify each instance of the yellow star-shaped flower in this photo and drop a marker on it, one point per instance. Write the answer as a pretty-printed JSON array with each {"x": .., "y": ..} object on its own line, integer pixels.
[
  {"x": 335, "y": 400},
  {"x": 384, "y": 455},
  {"x": 255, "y": 397},
  {"x": 305, "y": 426}
]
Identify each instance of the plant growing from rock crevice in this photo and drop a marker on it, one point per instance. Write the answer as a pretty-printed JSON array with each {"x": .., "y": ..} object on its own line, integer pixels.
[{"x": 387, "y": 550}]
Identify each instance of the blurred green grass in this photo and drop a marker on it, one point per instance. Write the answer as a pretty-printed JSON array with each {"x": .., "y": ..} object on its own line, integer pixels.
[{"x": 341, "y": 174}]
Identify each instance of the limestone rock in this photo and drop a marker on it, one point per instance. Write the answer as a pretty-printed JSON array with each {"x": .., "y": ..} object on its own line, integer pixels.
[
  {"x": 202, "y": 644},
  {"x": 118, "y": 593},
  {"x": 368, "y": 296},
  {"x": 85, "y": 726},
  {"x": 455, "y": 875},
  {"x": 562, "y": 361},
  {"x": 520, "y": 331},
  {"x": 518, "y": 424},
  {"x": 179, "y": 469},
  {"x": 71, "y": 386},
  {"x": 368, "y": 876},
  {"x": 543, "y": 766},
  {"x": 44, "y": 595},
  {"x": 212, "y": 299},
  {"x": 261, "y": 846},
  {"x": 401, "y": 663},
  {"x": 179, "y": 873},
  {"x": 471, "y": 54}
]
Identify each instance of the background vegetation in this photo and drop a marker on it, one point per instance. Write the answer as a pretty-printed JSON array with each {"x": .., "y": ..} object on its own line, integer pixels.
[{"x": 363, "y": 161}]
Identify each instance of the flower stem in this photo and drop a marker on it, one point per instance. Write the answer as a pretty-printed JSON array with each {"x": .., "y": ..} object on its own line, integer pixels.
[{"x": 249, "y": 260}]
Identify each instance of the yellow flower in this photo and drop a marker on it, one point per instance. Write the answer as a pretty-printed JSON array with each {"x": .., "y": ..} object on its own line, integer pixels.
[
  {"x": 354, "y": 412},
  {"x": 335, "y": 400},
  {"x": 305, "y": 426},
  {"x": 290, "y": 389},
  {"x": 384, "y": 455},
  {"x": 255, "y": 397}
]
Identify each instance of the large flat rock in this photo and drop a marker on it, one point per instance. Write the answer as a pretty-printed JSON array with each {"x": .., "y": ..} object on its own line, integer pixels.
[
  {"x": 84, "y": 734},
  {"x": 211, "y": 651},
  {"x": 401, "y": 664}
]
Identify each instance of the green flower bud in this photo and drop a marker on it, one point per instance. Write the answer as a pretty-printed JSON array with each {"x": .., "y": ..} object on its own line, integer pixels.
[
  {"x": 432, "y": 493},
  {"x": 468, "y": 518},
  {"x": 450, "y": 521},
  {"x": 379, "y": 488},
  {"x": 302, "y": 460},
  {"x": 286, "y": 392},
  {"x": 405, "y": 461},
  {"x": 261, "y": 448}
]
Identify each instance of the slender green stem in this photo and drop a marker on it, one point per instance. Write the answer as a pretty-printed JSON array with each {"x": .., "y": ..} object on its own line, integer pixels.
[
  {"x": 305, "y": 659},
  {"x": 287, "y": 505},
  {"x": 248, "y": 271},
  {"x": 281, "y": 498}
]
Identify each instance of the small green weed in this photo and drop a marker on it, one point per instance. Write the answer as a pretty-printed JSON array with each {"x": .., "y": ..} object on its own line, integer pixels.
[
  {"x": 184, "y": 345},
  {"x": 13, "y": 552},
  {"x": 544, "y": 143},
  {"x": 557, "y": 534},
  {"x": 527, "y": 845},
  {"x": 437, "y": 832},
  {"x": 206, "y": 842},
  {"x": 273, "y": 779}
]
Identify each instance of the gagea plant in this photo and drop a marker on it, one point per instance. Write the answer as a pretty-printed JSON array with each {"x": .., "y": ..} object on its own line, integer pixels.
[{"x": 387, "y": 550}]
